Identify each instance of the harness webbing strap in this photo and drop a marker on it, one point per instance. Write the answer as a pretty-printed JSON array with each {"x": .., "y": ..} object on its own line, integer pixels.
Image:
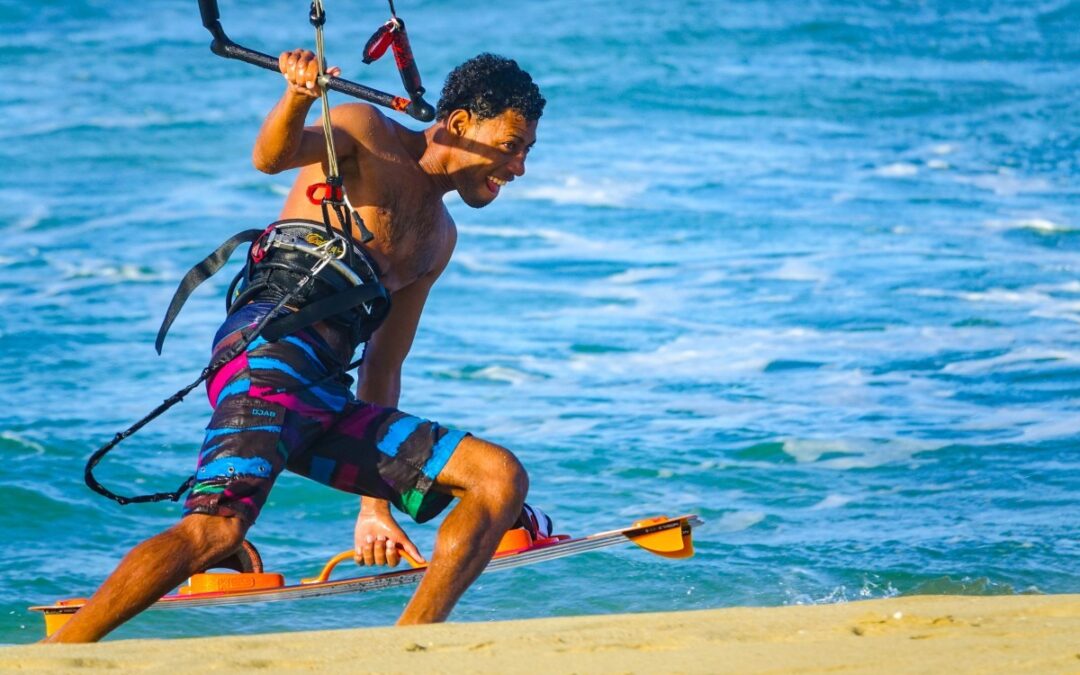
[
  {"x": 210, "y": 266},
  {"x": 314, "y": 312},
  {"x": 209, "y": 370}
]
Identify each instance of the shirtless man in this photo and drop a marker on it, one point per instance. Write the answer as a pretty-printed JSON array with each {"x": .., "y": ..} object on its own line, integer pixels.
[{"x": 486, "y": 124}]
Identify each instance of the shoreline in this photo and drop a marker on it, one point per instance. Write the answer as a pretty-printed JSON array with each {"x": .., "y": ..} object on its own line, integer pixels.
[{"x": 961, "y": 634}]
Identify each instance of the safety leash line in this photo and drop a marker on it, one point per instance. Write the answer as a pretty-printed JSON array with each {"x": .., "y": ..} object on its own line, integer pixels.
[{"x": 328, "y": 254}]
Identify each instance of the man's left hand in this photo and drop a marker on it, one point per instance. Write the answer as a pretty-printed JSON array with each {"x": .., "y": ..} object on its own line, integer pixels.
[{"x": 377, "y": 538}]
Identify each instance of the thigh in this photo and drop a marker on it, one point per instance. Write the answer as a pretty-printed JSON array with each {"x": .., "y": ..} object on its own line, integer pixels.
[
  {"x": 257, "y": 422},
  {"x": 242, "y": 454}
]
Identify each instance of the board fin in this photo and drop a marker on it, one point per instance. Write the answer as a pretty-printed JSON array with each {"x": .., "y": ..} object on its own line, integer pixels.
[{"x": 664, "y": 537}]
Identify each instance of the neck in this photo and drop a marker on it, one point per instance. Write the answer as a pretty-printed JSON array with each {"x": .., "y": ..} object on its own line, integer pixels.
[{"x": 433, "y": 161}]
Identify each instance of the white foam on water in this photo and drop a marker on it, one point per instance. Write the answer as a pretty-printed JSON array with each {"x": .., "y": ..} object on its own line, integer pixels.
[
  {"x": 556, "y": 427},
  {"x": 149, "y": 118},
  {"x": 1018, "y": 360},
  {"x": 564, "y": 242},
  {"x": 809, "y": 450},
  {"x": 730, "y": 354},
  {"x": 1037, "y": 224},
  {"x": 1022, "y": 424},
  {"x": 1065, "y": 287},
  {"x": 498, "y": 232},
  {"x": 633, "y": 276},
  {"x": 118, "y": 273},
  {"x": 938, "y": 165},
  {"x": 798, "y": 270},
  {"x": 735, "y": 522},
  {"x": 502, "y": 374},
  {"x": 1005, "y": 296},
  {"x": 943, "y": 149},
  {"x": 860, "y": 453},
  {"x": 586, "y": 192},
  {"x": 897, "y": 170},
  {"x": 38, "y": 212},
  {"x": 832, "y": 502},
  {"x": 1043, "y": 225},
  {"x": 36, "y": 448},
  {"x": 1005, "y": 183},
  {"x": 1038, "y": 301},
  {"x": 478, "y": 265},
  {"x": 1052, "y": 426}
]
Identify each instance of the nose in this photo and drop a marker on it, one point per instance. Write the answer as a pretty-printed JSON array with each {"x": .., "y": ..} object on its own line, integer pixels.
[{"x": 517, "y": 165}]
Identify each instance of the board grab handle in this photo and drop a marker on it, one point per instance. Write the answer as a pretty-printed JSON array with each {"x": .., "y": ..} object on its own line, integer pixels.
[
  {"x": 324, "y": 575},
  {"x": 223, "y": 46}
]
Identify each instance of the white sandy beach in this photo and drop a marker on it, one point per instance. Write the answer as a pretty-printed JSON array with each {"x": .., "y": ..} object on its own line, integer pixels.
[{"x": 925, "y": 634}]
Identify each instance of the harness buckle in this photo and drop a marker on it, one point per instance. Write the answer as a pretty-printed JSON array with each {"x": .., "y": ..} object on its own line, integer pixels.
[
  {"x": 262, "y": 245},
  {"x": 331, "y": 249}
]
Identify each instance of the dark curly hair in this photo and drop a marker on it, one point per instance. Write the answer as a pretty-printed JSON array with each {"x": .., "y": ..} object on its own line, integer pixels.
[{"x": 487, "y": 85}]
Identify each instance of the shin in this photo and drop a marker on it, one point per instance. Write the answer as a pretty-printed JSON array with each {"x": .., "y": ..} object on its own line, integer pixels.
[
  {"x": 491, "y": 485},
  {"x": 150, "y": 570}
]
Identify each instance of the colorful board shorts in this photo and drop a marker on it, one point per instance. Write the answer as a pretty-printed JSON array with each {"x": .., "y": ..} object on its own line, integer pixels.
[{"x": 281, "y": 405}]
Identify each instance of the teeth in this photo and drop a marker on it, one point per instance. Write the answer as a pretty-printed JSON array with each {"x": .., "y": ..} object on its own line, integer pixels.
[{"x": 495, "y": 180}]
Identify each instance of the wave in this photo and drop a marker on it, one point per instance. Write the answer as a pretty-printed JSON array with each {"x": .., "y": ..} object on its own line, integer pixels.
[
  {"x": 897, "y": 170},
  {"x": 737, "y": 521},
  {"x": 857, "y": 453},
  {"x": 1005, "y": 183},
  {"x": 1022, "y": 359},
  {"x": 1035, "y": 224},
  {"x": 586, "y": 192}
]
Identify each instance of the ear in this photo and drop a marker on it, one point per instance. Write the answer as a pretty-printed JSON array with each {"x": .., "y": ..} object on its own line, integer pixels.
[{"x": 458, "y": 122}]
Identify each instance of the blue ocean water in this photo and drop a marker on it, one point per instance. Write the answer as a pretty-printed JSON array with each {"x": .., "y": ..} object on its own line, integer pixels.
[{"x": 810, "y": 270}]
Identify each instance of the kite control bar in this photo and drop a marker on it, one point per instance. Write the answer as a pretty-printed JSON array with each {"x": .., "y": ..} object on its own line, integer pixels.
[{"x": 223, "y": 46}]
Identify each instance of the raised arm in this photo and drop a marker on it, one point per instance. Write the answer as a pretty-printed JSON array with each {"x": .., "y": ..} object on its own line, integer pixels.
[{"x": 283, "y": 142}]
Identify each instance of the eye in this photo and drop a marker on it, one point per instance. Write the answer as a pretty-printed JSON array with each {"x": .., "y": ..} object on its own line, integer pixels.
[{"x": 510, "y": 147}]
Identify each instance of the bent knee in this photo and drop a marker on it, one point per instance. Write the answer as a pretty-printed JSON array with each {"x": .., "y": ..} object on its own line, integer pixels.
[
  {"x": 506, "y": 480},
  {"x": 490, "y": 471},
  {"x": 212, "y": 537}
]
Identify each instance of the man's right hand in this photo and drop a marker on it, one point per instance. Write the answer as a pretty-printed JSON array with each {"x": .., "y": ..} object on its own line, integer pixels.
[{"x": 300, "y": 67}]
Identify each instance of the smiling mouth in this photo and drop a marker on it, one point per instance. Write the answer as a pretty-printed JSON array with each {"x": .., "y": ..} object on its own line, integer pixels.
[{"x": 493, "y": 184}]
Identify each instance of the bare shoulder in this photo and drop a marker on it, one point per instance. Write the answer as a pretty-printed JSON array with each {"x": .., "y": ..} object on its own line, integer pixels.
[{"x": 364, "y": 122}]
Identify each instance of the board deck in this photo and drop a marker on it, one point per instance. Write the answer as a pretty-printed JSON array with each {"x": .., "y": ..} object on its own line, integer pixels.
[{"x": 669, "y": 537}]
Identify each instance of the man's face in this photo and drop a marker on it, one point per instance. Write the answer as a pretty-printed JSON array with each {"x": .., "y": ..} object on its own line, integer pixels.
[{"x": 489, "y": 153}]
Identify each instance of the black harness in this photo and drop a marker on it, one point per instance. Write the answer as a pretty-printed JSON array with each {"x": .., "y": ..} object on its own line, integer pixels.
[{"x": 346, "y": 292}]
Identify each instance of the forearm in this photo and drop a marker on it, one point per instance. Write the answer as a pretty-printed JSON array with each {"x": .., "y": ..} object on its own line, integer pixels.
[
  {"x": 370, "y": 506},
  {"x": 384, "y": 390},
  {"x": 380, "y": 388},
  {"x": 281, "y": 134}
]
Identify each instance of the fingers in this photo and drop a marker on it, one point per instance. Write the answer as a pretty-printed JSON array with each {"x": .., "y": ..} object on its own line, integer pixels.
[
  {"x": 300, "y": 68},
  {"x": 377, "y": 551},
  {"x": 393, "y": 557}
]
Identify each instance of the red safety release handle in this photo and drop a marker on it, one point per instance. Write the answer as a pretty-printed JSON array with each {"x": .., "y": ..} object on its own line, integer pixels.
[
  {"x": 379, "y": 42},
  {"x": 317, "y": 193}
]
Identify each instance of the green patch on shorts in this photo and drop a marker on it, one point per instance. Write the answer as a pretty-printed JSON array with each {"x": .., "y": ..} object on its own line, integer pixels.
[
  {"x": 421, "y": 506},
  {"x": 208, "y": 489}
]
